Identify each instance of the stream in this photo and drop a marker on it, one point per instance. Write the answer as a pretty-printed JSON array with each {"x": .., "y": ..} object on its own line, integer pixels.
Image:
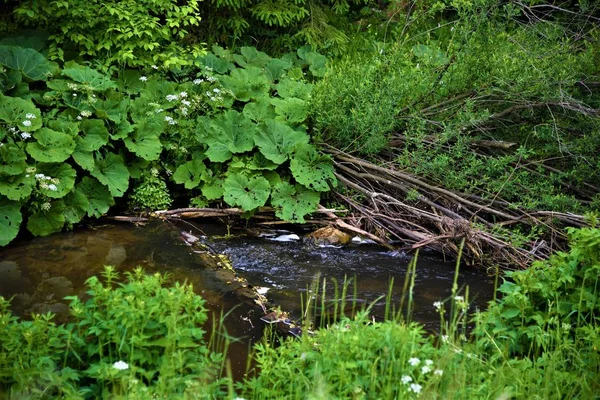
[{"x": 38, "y": 273}]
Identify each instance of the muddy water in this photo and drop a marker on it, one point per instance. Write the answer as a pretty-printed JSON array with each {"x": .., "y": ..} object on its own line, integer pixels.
[{"x": 38, "y": 273}]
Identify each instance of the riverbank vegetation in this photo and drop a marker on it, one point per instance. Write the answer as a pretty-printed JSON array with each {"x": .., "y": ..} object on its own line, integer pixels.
[
  {"x": 143, "y": 338},
  {"x": 429, "y": 121}
]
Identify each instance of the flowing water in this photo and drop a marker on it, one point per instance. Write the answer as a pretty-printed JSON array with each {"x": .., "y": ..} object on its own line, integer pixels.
[{"x": 38, "y": 273}]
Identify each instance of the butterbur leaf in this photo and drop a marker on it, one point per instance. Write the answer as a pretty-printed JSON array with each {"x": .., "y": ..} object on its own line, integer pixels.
[
  {"x": 190, "y": 174},
  {"x": 94, "y": 135},
  {"x": 17, "y": 112},
  {"x": 293, "y": 202},
  {"x": 233, "y": 131},
  {"x": 51, "y": 146},
  {"x": 277, "y": 140},
  {"x": 129, "y": 81},
  {"x": 10, "y": 220},
  {"x": 250, "y": 56},
  {"x": 259, "y": 110},
  {"x": 145, "y": 145},
  {"x": 246, "y": 84},
  {"x": 112, "y": 109},
  {"x": 218, "y": 65},
  {"x": 92, "y": 79},
  {"x": 246, "y": 192},
  {"x": 293, "y": 88},
  {"x": 76, "y": 205},
  {"x": 213, "y": 190},
  {"x": 311, "y": 169},
  {"x": 45, "y": 222},
  {"x": 98, "y": 197},
  {"x": 12, "y": 160},
  {"x": 292, "y": 110},
  {"x": 276, "y": 68},
  {"x": 65, "y": 175},
  {"x": 16, "y": 187},
  {"x": 85, "y": 159},
  {"x": 112, "y": 172},
  {"x": 29, "y": 62}
]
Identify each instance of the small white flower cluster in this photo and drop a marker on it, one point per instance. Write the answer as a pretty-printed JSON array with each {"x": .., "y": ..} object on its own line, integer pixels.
[
  {"x": 120, "y": 365},
  {"x": 27, "y": 122},
  {"x": 215, "y": 95},
  {"x": 425, "y": 369},
  {"x": 24, "y": 135},
  {"x": 170, "y": 120},
  {"x": 47, "y": 182},
  {"x": 439, "y": 306},
  {"x": 46, "y": 206},
  {"x": 143, "y": 78},
  {"x": 84, "y": 114},
  {"x": 461, "y": 303}
]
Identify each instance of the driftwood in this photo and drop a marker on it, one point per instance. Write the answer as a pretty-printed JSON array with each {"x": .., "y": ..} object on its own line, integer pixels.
[{"x": 439, "y": 218}]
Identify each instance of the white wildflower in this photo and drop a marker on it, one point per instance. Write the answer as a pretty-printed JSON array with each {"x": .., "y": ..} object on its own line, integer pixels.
[
  {"x": 445, "y": 338},
  {"x": 40, "y": 176},
  {"x": 30, "y": 116},
  {"x": 79, "y": 118},
  {"x": 213, "y": 98},
  {"x": 438, "y": 372},
  {"x": 31, "y": 170},
  {"x": 168, "y": 118},
  {"x": 172, "y": 97},
  {"x": 46, "y": 206},
  {"x": 143, "y": 78},
  {"x": 414, "y": 361},
  {"x": 25, "y": 135},
  {"x": 52, "y": 187},
  {"x": 415, "y": 387},
  {"x": 459, "y": 298},
  {"x": 121, "y": 365},
  {"x": 72, "y": 86},
  {"x": 211, "y": 79},
  {"x": 425, "y": 369},
  {"x": 406, "y": 379},
  {"x": 438, "y": 305},
  {"x": 186, "y": 103},
  {"x": 183, "y": 94},
  {"x": 154, "y": 67},
  {"x": 74, "y": 94},
  {"x": 26, "y": 122},
  {"x": 216, "y": 90},
  {"x": 429, "y": 362},
  {"x": 197, "y": 81}
]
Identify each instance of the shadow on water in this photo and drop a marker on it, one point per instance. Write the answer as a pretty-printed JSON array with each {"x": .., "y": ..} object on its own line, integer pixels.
[{"x": 39, "y": 273}]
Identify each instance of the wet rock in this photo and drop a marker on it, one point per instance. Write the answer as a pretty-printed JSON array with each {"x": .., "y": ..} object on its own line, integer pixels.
[{"x": 327, "y": 236}]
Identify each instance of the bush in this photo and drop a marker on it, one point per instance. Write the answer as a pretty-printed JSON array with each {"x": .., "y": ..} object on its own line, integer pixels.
[{"x": 136, "y": 340}]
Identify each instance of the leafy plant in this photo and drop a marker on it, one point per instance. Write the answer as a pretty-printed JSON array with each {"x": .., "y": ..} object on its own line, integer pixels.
[{"x": 129, "y": 339}]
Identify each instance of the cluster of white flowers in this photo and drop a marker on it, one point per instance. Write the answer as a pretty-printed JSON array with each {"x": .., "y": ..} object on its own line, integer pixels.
[
  {"x": 24, "y": 135},
  {"x": 425, "y": 369},
  {"x": 28, "y": 118},
  {"x": 170, "y": 120},
  {"x": 121, "y": 365},
  {"x": 143, "y": 78},
  {"x": 414, "y": 361},
  {"x": 46, "y": 206},
  {"x": 84, "y": 114},
  {"x": 439, "y": 306},
  {"x": 47, "y": 182},
  {"x": 415, "y": 387},
  {"x": 197, "y": 81}
]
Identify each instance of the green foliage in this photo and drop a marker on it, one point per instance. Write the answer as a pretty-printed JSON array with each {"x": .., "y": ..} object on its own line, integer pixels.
[
  {"x": 559, "y": 296},
  {"x": 133, "y": 33},
  {"x": 81, "y": 139},
  {"x": 136, "y": 339}
]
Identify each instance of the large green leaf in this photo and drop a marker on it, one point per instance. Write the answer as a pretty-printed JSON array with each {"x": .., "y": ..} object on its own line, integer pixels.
[
  {"x": 51, "y": 146},
  {"x": 98, "y": 197},
  {"x": 93, "y": 80},
  {"x": 45, "y": 222},
  {"x": 16, "y": 187},
  {"x": 218, "y": 65},
  {"x": 65, "y": 175},
  {"x": 259, "y": 110},
  {"x": 311, "y": 169},
  {"x": 17, "y": 112},
  {"x": 293, "y": 88},
  {"x": 246, "y": 84},
  {"x": 112, "y": 109},
  {"x": 292, "y": 110},
  {"x": 246, "y": 192},
  {"x": 277, "y": 140},
  {"x": 85, "y": 159},
  {"x": 293, "y": 202},
  {"x": 112, "y": 172},
  {"x": 76, "y": 205},
  {"x": 276, "y": 68},
  {"x": 29, "y": 62},
  {"x": 233, "y": 131},
  {"x": 94, "y": 135},
  {"x": 12, "y": 159},
  {"x": 190, "y": 173},
  {"x": 251, "y": 57},
  {"x": 10, "y": 220},
  {"x": 144, "y": 141}
]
